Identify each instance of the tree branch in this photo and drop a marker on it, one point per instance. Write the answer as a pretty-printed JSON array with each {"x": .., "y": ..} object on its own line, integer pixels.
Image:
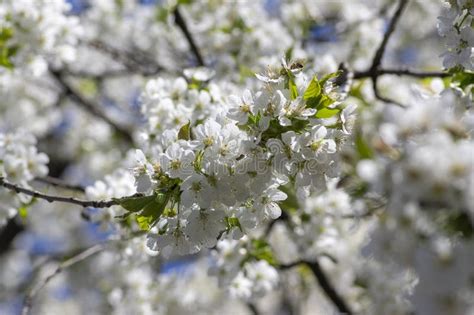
[
  {"x": 179, "y": 20},
  {"x": 324, "y": 283},
  {"x": 400, "y": 72},
  {"x": 64, "y": 265},
  {"x": 377, "y": 61},
  {"x": 391, "y": 28},
  {"x": 146, "y": 66},
  {"x": 57, "y": 182},
  {"x": 52, "y": 198},
  {"x": 253, "y": 308},
  {"x": 90, "y": 107}
]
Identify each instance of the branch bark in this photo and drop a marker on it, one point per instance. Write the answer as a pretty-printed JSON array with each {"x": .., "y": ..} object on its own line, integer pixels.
[
  {"x": 51, "y": 198},
  {"x": 377, "y": 61},
  {"x": 146, "y": 66},
  {"x": 400, "y": 72},
  {"x": 90, "y": 107},
  {"x": 64, "y": 265},
  {"x": 180, "y": 21},
  {"x": 324, "y": 283}
]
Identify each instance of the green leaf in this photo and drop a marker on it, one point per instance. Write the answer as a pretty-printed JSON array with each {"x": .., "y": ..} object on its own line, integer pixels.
[
  {"x": 23, "y": 212},
  {"x": 245, "y": 72},
  {"x": 135, "y": 204},
  {"x": 292, "y": 87},
  {"x": 458, "y": 223},
  {"x": 463, "y": 79},
  {"x": 232, "y": 222},
  {"x": 327, "y": 112},
  {"x": 5, "y": 34},
  {"x": 152, "y": 211},
  {"x": 289, "y": 53},
  {"x": 329, "y": 76},
  {"x": 261, "y": 250},
  {"x": 184, "y": 132},
  {"x": 313, "y": 90},
  {"x": 363, "y": 148},
  {"x": 144, "y": 222},
  {"x": 324, "y": 101},
  {"x": 6, "y": 51},
  {"x": 198, "y": 161}
]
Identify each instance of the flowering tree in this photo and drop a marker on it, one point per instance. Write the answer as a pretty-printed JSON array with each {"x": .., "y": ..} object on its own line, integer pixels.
[{"x": 260, "y": 157}]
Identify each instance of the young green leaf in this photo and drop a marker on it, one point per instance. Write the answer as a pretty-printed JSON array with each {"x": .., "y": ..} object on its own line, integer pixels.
[
  {"x": 329, "y": 76},
  {"x": 293, "y": 89},
  {"x": 135, "y": 204},
  {"x": 184, "y": 132},
  {"x": 152, "y": 211},
  {"x": 363, "y": 148},
  {"x": 327, "y": 112},
  {"x": 313, "y": 90}
]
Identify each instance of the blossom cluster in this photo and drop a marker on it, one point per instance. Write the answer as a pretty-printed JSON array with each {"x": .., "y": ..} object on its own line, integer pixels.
[
  {"x": 455, "y": 25},
  {"x": 423, "y": 167},
  {"x": 241, "y": 269},
  {"x": 223, "y": 173},
  {"x": 33, "y": 33},
  {"x": 20, "y": 162}
]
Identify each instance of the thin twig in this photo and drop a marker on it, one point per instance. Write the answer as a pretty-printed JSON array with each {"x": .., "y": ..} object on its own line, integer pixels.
[
  {"x": 64, "y": 265},
  {"x": 146, "y": 66},
  {"x": 179, "y": 20},
  {"x": 269, "y": 227},
  {"x": 52, "y": 198},
  {"x": 324, "y": 283},
  {"x": 400, "y": 72},
  {"x": 330, "y": 291},
  {"x": 101, "y": 75},
  {"x": 377, "y": 61},
  {"x": 94, "y": 109},
  {"x": 381, "y": 97},
  {"x": 253, "y": 308},
  {"x": 57, "y": 182}
]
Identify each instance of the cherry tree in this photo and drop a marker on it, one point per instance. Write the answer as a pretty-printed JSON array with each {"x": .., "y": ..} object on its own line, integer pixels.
[{"x": 236, "y": 157}]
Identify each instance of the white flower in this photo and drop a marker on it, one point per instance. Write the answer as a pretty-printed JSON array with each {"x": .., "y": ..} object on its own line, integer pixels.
[
  {"x": 206, "y": 134},
  {"x": 316, "y": 145},
  {"x": 196, "y": 190},
  {"x": 144, "y": 173},
  {"x": 264, "y": 277},
  {"x": 241, "y": 108},
  {"x": 177, "y": 161},
  {"x": 173, "y": 242},
  {"x": 241, "y": 287},
  {"x": 205, "y": 226},
  {"x": 268, "y": 202}
]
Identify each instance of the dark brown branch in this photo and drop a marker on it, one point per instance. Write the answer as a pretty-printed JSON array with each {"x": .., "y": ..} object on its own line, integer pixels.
[
  {"x": 71, "y": 259},
  {"x": 381, "y": 97},
  {"x": 145, "y": 66},
  {"x": 400, "y": 72},
  {"x": 57, "y": 182},
  {"x": 253, "y": 308},
  {"x": 324, "y": 283},
  {"x": 99, "y": 76},
  {"x": 377, "y": 61},
  {"x": 269, "y": 227},
  {"x": 93, "y": 109},
  {"x": 64, "y": 265},
  {"x": 330, "y": 291},
  {"x": 179, "y": 20},
  {"x": 51, "y": 198}
]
